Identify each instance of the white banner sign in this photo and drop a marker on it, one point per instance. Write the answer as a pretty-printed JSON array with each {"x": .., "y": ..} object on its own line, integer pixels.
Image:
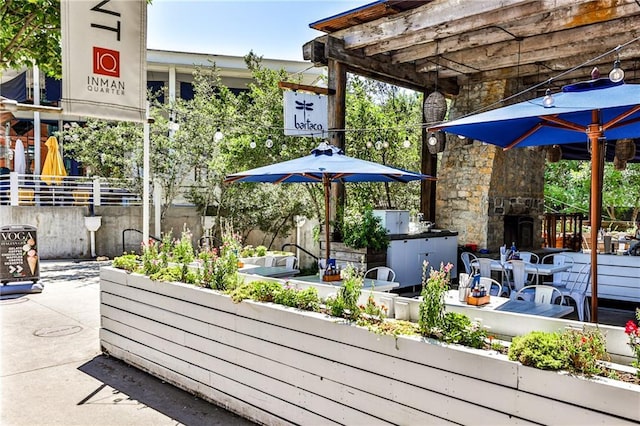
[
  {"x": 104, "y": 62},
  {"x": 305, "y": 114}
]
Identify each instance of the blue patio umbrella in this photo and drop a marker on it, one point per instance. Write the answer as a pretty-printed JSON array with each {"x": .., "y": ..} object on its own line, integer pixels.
[
  {"x": 326, "y": 164},
  {"x": 591, "y": 111}
]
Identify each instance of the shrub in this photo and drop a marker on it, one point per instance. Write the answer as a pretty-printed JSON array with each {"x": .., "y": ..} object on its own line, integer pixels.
[
  {"x": 128, "y": 262},
  {"x": 365, "y": 231},
  {"x": 575, "y": 350},
  {"x": 539, "y": 349},
  {"x": 458, "y": 328},
  {"x": 261, "y": 251},
  {"x": 583, "y": 349}
]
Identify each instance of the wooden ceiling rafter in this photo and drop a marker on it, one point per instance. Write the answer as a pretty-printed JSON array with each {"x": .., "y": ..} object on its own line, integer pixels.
[{"x": 532, "y": 40}]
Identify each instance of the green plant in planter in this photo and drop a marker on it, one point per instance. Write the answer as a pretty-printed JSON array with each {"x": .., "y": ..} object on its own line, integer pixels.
[
  {"x": 129, "y": 262},
  {"x": 248, "y": 251},
  {"x": 182, "y": 251},
  {"x": 346, "y": 301},
  {"x": 431, "y": 315},
  {"x": 364, "y": 231},
  {"x": 575, "y": 350},
  {"x": 261, "y": 251},
  {"x": 539, "y": 349},
  {"x": 458, "y": 328}
]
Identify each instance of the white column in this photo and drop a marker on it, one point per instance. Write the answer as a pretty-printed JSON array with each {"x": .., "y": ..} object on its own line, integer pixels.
[
  {"x": 13, "y": 188},
  {"x": 172, "y": 84},
  {"x": 36, "y": 121},
  {"x": 97, "y": 198},
  {"x": 157, "y": 206}
]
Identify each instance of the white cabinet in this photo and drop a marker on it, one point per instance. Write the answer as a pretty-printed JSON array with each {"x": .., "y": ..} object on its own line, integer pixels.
[
  {"x": 406, "y": 257},
  {"x": 394, "y": 221}
]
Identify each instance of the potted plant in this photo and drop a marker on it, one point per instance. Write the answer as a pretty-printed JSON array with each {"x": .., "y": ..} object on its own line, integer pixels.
[{"x": 362, "y": 236}]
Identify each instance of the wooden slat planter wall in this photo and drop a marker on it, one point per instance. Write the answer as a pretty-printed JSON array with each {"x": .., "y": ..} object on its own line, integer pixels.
[
  {"x": 618, "y": 276},
  {"x": 277, "y": 365},
  {"x": 345, "y": 255}
]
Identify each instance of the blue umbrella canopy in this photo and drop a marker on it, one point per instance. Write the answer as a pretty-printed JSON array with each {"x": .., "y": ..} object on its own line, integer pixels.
[
  {"x": 591, "y": 111},
  {"x": 566, "y": 120},
  {"x": 326, "y": 164}
]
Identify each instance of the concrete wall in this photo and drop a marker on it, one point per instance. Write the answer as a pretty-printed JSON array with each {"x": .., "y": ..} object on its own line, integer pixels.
[{"x": 62, "y": 234}]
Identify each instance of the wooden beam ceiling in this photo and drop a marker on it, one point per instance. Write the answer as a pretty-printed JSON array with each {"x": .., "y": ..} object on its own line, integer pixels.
[{"x": 484, "y": 40}]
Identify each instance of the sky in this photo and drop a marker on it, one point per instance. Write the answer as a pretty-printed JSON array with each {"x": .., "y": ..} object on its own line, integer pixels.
[{"x": 272, "y": 29}]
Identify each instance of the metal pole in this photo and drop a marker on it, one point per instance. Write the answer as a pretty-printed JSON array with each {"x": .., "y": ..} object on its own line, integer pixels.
[{"x": 145, "y": 178}]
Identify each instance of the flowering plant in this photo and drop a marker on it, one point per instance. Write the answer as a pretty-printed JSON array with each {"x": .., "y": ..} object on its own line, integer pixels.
[
  {"x": 633, "y": 331},
  {"x": 433, "y": 290}
]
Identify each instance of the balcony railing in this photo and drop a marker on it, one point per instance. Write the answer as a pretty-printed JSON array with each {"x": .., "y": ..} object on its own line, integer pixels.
[{"x": 29, "y": 190}]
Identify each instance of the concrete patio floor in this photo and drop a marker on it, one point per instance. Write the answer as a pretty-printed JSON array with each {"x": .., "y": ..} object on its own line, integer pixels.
[{"x": 53, "y": 372}]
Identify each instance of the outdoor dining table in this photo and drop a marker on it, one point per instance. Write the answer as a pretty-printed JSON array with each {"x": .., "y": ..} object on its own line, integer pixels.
[
  {"x": 505, "y": 304},
  {"x": 269, "y": 271},
  {"x": 530, "y": 268},
  {"x": 537, "y": 269},
  {"x": 368, "y": 284}
]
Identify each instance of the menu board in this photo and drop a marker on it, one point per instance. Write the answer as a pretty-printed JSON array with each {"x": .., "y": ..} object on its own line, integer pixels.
[{"x": 19, "y": 260}]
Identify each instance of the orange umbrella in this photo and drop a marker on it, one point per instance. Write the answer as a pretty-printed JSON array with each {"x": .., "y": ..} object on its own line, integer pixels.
[{"x": 53, "y": 169}]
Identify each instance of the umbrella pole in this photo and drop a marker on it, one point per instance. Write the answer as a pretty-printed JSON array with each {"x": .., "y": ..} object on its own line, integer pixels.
[
  {"x": 327, "y": 199},
  {"x": 594, "y": 132}
]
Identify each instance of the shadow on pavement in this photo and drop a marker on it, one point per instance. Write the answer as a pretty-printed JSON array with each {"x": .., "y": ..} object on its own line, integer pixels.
[{"x": 130, "y": 385}]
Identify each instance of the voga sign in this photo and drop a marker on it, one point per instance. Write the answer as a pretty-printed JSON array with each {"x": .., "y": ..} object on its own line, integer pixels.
[{"x": 305, "y": 114}]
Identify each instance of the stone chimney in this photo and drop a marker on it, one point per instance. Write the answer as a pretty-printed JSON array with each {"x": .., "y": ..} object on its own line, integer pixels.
[{"x": 490, "y": 196}]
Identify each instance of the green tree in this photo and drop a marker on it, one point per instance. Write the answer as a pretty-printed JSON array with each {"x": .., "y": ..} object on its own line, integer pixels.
[
  {"x": 30, "y": 31},
  {"x": 568, "y": 182}
]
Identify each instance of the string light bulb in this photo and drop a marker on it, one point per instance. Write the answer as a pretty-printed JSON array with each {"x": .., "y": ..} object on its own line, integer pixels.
[
  {"x": 617, "y": 74},
  {"x": 218, "y": 136},
  {"x": 406, "y": 143},
  {"x": 252, "y": 144},
  {"x": 433, "y": 140},
  {"x": 548, "y": 100},
  {"x": 269, "y": 142}
]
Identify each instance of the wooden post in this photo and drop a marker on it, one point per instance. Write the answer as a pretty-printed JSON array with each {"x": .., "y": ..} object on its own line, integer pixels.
[
  {"x": 594, "y": 132},
  {"x": 428, "y": 166},
  {"x": 337, "y": 82}
]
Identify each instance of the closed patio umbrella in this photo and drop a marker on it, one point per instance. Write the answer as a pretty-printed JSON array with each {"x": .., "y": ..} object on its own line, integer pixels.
[
  {"x": 53, "y": 169},
  {"x": 325, "y": 164},
  {"x": 593, "y": 111},
  {"x": 19, "y": 161}
]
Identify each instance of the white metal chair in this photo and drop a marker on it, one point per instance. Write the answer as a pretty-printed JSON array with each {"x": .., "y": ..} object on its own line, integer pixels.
[
  {"x": 382, "y": 273},
  {"x": 467, "y": 258},
  {"x": 495, "y": 288},
  {"x": 529, "y": 257},
  {"x": 576, "y": 289},
  {"x": 269, "y": 261},
  {"x": 540, "y": 294},
  {"x": 517, "y": 276},
  {"x": 291, "y": 262},
  {"x": 484, "y": 267},
  {"x": 559, "y": 278}
]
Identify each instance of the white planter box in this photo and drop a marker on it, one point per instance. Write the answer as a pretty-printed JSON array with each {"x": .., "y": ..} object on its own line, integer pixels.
[{"x": 277, "y": 365}]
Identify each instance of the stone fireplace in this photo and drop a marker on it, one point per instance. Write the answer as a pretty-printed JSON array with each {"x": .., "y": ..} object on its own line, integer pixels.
[{"x": 489, "y": 196}]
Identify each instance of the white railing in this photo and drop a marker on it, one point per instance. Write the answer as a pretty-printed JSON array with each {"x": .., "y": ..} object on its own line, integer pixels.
[{"x": 42, "y": 190}]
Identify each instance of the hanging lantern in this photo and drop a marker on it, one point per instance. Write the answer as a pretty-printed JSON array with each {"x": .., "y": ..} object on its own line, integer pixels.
[
  {"x": 619, "y": 164},
  {"x": 625, "y": 149},
  {"x": 435, "y": 108},
  {"x": 554, "y": 153},
  {"x": 436, "y": 142}
]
